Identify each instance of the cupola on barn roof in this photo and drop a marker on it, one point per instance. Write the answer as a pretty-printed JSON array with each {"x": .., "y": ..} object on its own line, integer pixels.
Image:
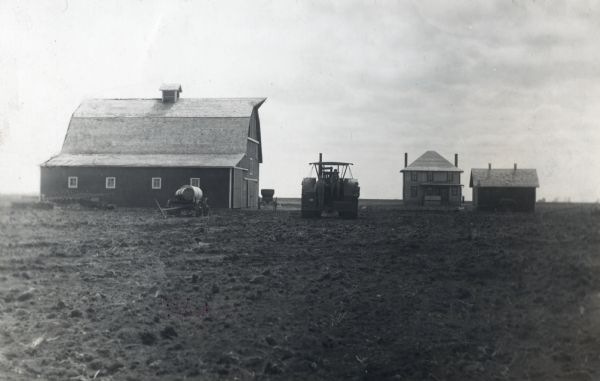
[{"x": 171, "y": 87}]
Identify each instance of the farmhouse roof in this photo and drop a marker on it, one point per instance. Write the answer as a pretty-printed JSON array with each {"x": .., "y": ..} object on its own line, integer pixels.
[
  {"x": 500, "y": 177},
  {"x": 140, "y": 132},
  {"x": 431, "y": 161}
]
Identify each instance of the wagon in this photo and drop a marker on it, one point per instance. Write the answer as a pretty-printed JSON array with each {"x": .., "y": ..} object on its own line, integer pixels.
[
  {"x": 267, "y": 199},
  {"x": 189, "y": 201}
]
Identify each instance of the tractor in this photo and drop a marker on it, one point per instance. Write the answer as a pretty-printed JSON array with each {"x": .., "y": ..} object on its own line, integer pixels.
[{"x": 331, "y": 191}]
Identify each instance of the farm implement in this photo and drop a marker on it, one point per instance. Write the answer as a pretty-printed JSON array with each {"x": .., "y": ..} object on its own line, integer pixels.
[{"x": 188, "y": 201}]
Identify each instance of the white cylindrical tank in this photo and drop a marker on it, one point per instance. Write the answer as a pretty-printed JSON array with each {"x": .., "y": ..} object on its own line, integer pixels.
[{"x": 189, "y": 193}]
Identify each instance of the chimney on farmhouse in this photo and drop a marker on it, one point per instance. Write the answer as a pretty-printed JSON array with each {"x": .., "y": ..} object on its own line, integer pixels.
[
  {"x": 456, "y": 160},
  {"x": 515, "y": 166},
  {"x": 489, "y": 165},
  {"x": 170, "y": 92},
  {"x": 405, "y": 159}
]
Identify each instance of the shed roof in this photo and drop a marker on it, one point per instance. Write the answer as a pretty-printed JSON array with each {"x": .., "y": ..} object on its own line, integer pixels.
[
  {"x": 136, "y": 129},
  {"x": 504, "y": 178},
  {"x": 431, "y": 161}
]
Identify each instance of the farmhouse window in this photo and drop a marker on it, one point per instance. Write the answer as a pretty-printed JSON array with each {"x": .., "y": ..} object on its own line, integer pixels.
[
  {"x": 429, "y": 176},
  {"x": 111, "y": 182},
  {"x": 73, "y": 182},
  {"x": 414, "y": 176},
  {"x": 454, "y": 191},
  {"x": 413, "y": 191},
  {"x": 251, "y": 166},
  {"x": 195, "y": 182},
  {"x": 156, "y": 183},
  {"x": 440, "y": 177}
]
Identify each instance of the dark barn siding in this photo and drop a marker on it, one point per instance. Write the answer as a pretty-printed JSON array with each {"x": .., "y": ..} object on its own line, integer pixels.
[
  {"x": 489, "y": 199},
  {"x": 239, "y": 189},
  {"x": 252, "y": 193},
  {"x": 134, "y": 185}
]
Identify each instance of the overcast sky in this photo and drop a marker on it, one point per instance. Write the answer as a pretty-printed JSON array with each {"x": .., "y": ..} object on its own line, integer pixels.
[{"x": 494, "y": 81}]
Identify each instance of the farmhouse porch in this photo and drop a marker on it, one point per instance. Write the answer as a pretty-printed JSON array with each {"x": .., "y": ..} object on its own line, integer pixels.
[{"x": 434, "y": 194}]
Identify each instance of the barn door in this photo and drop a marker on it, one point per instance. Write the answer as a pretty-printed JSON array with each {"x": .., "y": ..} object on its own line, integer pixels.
[
  {"x": 251, "y": 194},
  {"x": 244, "y": 195},
  {"x": 247, "y": 193}
]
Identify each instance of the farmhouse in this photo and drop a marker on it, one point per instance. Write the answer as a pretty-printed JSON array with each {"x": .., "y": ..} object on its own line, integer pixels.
[
  {"x": 131, "y": 152},
  {"x": 504, "y": 189},
  {"x": 431, "y": 180}
]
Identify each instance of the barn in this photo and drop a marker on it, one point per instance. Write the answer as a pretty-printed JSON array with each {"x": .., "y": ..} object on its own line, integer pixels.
[
  {"x": 504, "y": 189},
  {"x": 431, "y": 180},
  {"x": 131, "y": 152}
]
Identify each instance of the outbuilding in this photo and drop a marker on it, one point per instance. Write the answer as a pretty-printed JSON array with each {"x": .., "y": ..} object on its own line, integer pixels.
[
  {"x": 504, "y": 189},
  {"x": 131, "y": 152}
]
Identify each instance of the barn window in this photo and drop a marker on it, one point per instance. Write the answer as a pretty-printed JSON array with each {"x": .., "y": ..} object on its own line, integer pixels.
[
  {"x": 111, "y": 182},
  {"x": 414, "y": 176},
  {"x": 195, "y": 182},
  {"x": 73, "y": 182},
  {"x": 156, "y": 183},
  {"x": 251, "y": 165},
  {"x": 413, "y": 191}
]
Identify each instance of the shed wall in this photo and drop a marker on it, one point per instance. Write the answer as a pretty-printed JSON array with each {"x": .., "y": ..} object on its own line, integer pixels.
[{"x": 515, "y": 199}]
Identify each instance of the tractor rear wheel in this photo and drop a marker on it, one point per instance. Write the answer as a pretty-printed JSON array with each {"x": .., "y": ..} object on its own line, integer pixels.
[{"x": 351, "y": 213}]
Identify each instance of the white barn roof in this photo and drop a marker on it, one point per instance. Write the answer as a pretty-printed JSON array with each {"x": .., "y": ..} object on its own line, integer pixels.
[
  {"x": 148, "y": 132},
  {"x": 146, "y": 160},
  {"x": 183, "y": 108}
]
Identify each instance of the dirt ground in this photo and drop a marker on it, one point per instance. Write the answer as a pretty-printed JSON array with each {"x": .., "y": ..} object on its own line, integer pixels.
[{"x": 398, "y": 295}]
